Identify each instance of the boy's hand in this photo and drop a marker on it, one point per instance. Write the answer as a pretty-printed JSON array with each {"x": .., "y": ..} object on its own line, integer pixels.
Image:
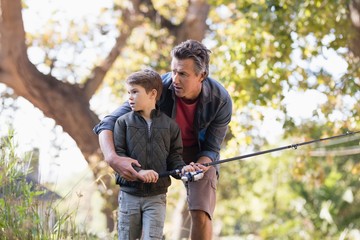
[{"x": 150, "y": 176}]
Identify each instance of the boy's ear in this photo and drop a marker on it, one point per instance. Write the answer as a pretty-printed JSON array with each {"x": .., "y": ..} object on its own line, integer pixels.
[{"x": 154, "y": 93}]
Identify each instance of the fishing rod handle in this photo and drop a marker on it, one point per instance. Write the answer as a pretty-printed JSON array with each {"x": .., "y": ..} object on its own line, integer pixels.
[
  {"x": 186, "y": 177},
  {"x": 192, "y": 176},
  {"x": 168, "y": 173}
]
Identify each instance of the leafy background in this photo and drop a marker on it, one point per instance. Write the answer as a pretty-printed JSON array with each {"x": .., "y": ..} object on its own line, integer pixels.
[{"x": 278, "y": 60}]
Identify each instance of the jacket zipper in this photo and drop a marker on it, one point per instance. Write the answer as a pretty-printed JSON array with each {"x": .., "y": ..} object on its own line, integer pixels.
[{"x": 148, "y": 146}]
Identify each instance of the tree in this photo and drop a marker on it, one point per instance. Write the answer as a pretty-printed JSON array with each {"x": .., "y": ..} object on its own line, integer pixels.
[
  {"x": 67, "y": 103},
  {"x": 268, "y": 48},
  {"x": 252, "y": 45}
]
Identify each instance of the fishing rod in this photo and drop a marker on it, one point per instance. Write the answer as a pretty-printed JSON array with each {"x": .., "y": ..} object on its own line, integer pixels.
[{"x": 193, "y": 176}]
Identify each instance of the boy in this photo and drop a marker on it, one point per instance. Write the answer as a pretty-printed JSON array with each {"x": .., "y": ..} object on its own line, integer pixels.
[{"x": 154, "y": 139}]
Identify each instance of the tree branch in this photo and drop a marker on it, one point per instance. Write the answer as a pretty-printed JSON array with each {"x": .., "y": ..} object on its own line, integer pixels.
[
  {"x": 192, "y": 27},
  {"x": 59, "y": 100},
  {"x": 12, "y": 38},
  {"x": 152, "y": 14},
  {"x": 131, "y": 16}
]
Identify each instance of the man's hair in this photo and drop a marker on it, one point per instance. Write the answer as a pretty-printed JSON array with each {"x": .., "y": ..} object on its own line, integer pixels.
[
  {"x": 148, "y": 79},
  {"x": 194, "y": 50}
]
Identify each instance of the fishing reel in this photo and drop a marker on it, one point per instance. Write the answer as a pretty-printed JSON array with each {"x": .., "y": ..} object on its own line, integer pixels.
[{"x": 192, "y": 176}]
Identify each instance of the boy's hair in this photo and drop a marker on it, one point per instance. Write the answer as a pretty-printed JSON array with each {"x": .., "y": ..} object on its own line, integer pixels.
[
  {"x": 194, "y": 50},
  {"x": 148, "y": 79}
]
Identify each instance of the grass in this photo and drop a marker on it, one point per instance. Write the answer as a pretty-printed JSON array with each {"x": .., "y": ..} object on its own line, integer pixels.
[{"x": 27, "y": 209}]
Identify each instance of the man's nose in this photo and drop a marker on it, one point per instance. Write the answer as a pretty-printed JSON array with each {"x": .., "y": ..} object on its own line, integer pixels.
[{"x": 175, "y": 78}]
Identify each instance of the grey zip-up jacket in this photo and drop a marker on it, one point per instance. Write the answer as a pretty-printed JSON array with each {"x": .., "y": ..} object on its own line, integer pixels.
[
  {"x": 213, "y": 114},
  {"x": 158, "y": 148}
]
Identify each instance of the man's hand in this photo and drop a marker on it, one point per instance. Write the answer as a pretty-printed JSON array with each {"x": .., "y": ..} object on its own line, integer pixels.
[
  {"x": 188, "y": 168},
  {"x": 198, "y": 165},
  {"x": 121, "y": 165},
  {"x": 124, "y": 166}
]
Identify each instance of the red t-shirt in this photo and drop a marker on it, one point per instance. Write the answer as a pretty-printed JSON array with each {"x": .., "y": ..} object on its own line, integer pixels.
[{"x": 185, "y": 114}]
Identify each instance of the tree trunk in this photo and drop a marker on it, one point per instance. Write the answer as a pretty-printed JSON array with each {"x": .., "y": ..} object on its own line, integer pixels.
[
  {"x": 68, "y": 104},
  {"x": 194, "y": 25},
  {"x": 354, "y": 10}
]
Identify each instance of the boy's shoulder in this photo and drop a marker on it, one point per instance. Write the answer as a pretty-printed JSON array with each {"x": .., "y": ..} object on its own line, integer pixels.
[
  {"x": 126, "y": 116},
  {"x": 163, "y": 115},
  {"x": 166, "y": 120}
]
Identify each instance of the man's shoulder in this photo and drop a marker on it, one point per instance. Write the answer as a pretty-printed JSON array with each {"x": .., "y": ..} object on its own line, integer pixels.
[
  {"x": 214, "y": 83},
  {"x": 166, "y": 78},
  {"x": 214, "y": 87}
]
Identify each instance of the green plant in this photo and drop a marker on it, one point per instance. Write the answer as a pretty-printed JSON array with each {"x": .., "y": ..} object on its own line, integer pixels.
[{"x": 26, "y": 210}]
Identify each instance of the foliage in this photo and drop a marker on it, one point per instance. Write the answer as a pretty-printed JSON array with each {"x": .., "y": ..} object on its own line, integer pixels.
[
  {"x": 261, "y": 51},
  {"x": 292, "y": 194},
  {"x": 23, "y": 212}
]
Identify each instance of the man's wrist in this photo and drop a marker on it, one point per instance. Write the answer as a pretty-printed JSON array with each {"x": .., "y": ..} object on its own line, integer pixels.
[
  {"x": 109, "y": 158},
  {"x": 204, "y": 159}
]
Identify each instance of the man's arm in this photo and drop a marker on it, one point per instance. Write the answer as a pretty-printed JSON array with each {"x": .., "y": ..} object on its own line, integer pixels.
[
  {"x": 104, "y": 129},
  {"x": 121, "y": 165},
  {"x": 214, "y": 135}
]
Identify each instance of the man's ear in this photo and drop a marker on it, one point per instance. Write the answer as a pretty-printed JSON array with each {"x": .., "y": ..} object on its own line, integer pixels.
[{"x": 203, "y": 74}]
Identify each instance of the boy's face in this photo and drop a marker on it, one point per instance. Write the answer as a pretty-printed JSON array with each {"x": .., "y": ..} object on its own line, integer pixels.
[{"x": 138, "y": 99}]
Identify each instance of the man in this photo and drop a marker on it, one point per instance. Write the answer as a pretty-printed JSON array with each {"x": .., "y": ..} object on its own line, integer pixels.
[{"x": 202, "y": 108}]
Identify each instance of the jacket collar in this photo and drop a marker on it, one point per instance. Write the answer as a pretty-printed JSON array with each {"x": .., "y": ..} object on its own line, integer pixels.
[{"x": 154, "y": 113}]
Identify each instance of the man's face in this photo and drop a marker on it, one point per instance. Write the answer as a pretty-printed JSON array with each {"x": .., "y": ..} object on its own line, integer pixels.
[{"x": 186, "y": 83}]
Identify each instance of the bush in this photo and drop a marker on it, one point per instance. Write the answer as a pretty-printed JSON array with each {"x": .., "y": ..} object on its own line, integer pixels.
[{"x": 26, "y": 210}]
